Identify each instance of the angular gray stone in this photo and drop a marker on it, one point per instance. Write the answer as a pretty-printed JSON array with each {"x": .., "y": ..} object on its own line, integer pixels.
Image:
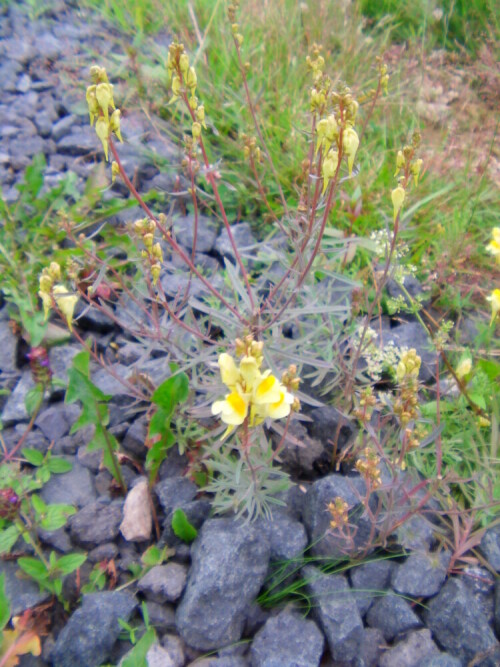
[
  {"x": 324, "y": 541},
  {"x": 175, "y": 492},
  {"x": 458, "y": 624},
  {"x": 490, "y": 546},
  {"x": 164, "y": 583},
  {"x": 183, "y": 228},
  {"x": 22, "y": 593},
  {"x": 174, "y": 648},
  {"x": 416, "y": 647},
  {"x": 441, "y": 660},
  {"x": 393, "y": 615},
  {"x": 55, "y": 421},
  {"x": 75, "y": 487},
  {"x": 336, "y": 611},
  {"x": 7, "y": 348},
  {"x": 15, "y": 408},
  {"x": 96, "y": 523},
  {"x": 229, "y": 564},
  {"x": 287, "y": 639},
  {"x": 63, "y": 127},
  {"x": 421, "y": 575},
  {"x": 369, "y": 581},
  {"x": 244, "y": 240},
  {"x": 481, "y": 583},
  {"x": 288, "y": 540},
  {"x": 88, "y": 637}
]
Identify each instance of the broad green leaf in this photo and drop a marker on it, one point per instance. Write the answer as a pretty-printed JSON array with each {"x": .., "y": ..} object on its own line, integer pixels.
[
  {"x": 33, "y": 567},
  {"x": 4, "y": 604},
  {"x": 58, "y": 465},
  {"x": 38, "y": 504},
  {"x": 33, "y": 456},
  {"x": 172, "y": 391},
  {"x": 182, "y": 528},
  {"x": 56, "y": 516},
  {"x": 137, "y": 656},
  {"x": 155, "y": 556},
  {"x": 8, "y": 537},
  {"x": 70, "y": 563}
]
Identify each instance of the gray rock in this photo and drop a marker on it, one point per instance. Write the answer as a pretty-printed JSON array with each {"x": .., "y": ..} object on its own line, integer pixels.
[
  {"x": 229, "y": 563},
  {"x": 61, "y": 359},
  {"x": 335, "y": 609},
  {"x": 135, "y": 438},
  {"x": 244, "y": 240},
  {"x": 23, "y": 83},
  {"x": 373, "y": 647},
  {"x": 161, "y": 616},
  {"x": 288, "y": 541},
  {"x": 287, "y": 639},
  {"x": 490, "y": 547},
  {"x": 197, "y": 511},
  {"x": 369, "y": 581},
  {"x": 411, "y": 652},
  {"x": 422, "y": 574},
  {"x": 107, "y": 551},
  {"x": 96, "y": 523},
  {"x": 75, "y": 487},
  {"x": 174, "y": 648},
  {"x": 15, "y": 408},
  {"x": 7, "y": 349},
  {"x": 458, "y": 624},
  {"x": 89, "y": 635},
  {"x": 55, "y": 421},
  {"x": 23, "y": 593},
  {"x": 415, "y": 533},
  {"x": 175, "y": 492},
  {"x": 325, "y": 542},
  {"x": 441, "y": 660},
  {"x": 206, "y": 233},
  {"x": 326, "y": 421},
  {"x": 57, "y": 539},
  {"x": 497, "y": 608},
  {"x": 480, "y": 582},
  {"x": 157, "y": 656},
  {"x": 63, "y": 127},
  {"x": 393, "y": 615},
  {"x": 80, "y": 141},
  {"x": 164, "y": 583}
]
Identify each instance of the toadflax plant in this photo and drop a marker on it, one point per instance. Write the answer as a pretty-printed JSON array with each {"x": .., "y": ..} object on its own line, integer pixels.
[{"x": 256, "y": 295}]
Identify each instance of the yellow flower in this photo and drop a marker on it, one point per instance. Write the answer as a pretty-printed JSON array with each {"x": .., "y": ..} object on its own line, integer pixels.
[
  {"x": 493, "y": 246},
  {"x": 398, "y": 197},
  {"x": 350, "y": 145},
  {"x": 464, "y": 368},
  {"x": 267, "y": 391},
  {"x": 233, "y": 411},
  {"x": 229, "y": 373},
  {"x": 495, "y": 304},
  {"x": 66, "y": 303}
]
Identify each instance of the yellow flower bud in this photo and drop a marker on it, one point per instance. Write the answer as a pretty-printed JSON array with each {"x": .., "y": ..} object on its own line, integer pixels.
[
  {"x": 157, "y": 252},
  {"x": 92, "y": 103},
  {"x": 115, "y": 170},
  {"x": 350, "y": 143},
  {"x": 494, "y": 299},
  {"x": 46, "y": 302},
  {"x": 196, "y": 130},
  {"x": 329, "y": 168},
  {"x": 184, "y": 63},
  {"x": 191, "y": 79},
  {"x": 54, "y": 271},
  {"x": 66, "y": 303},
  {"x": 155, "y": 273},
  {"x": 45, "y": 282},
  {"x": 400, "y": 162},
  {"x": 104, "y": 98},
  {"x": 415, "y": 168},
  {"x": 398, "y": 197},
  {"x": 102, "y": 131},
  {"x": 200, "y": 115},
  {"x": 176, "y": 87},
  {"x": 114, "y": 123},
  {"x": 384, "y": 83},
  {"x": 148, "y": 241}
]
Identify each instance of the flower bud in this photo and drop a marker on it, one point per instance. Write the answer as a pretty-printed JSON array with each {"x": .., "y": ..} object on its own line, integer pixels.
[
  {"x": 415, "y": 168},
  {"x": 350, "y": 143},
  {"x": 66, "y": 303},
  {"x": 104, "y": 98},
  {"x": 184, "y": 63},
  {"x": 191, "y": 79},
  {"x": 114, "y": 123},
  {"x": 196, "y": 130},
  {"x": 176, "y": 87},
  {"x": 54, "y": 271},
  {"x": 464, "y": 368},
  {"x": 155, "y": 273},
  {"x": 148, "y": 241},
  {"x": 115, "y": 170},
  {"x": 400, "y": 162},
  {"x": 200, "y": 115},
  {"x": 398, "y": 197},
  {"x": 92, "y": 103},
  {"x": 45, "y": 283},
  {"x": 102, "y": 131},
  {"x": 329, "y": 168},
  {"x": 157, "y": 252}
]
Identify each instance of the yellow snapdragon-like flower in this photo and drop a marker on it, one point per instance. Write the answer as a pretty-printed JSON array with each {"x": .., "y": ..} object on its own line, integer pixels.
[
  {"x": 254, "y": 395},
  {"x": 66, "y": 303},
  {"x": 493, "y": 246},
  {"x": 494, "y": 299}
]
